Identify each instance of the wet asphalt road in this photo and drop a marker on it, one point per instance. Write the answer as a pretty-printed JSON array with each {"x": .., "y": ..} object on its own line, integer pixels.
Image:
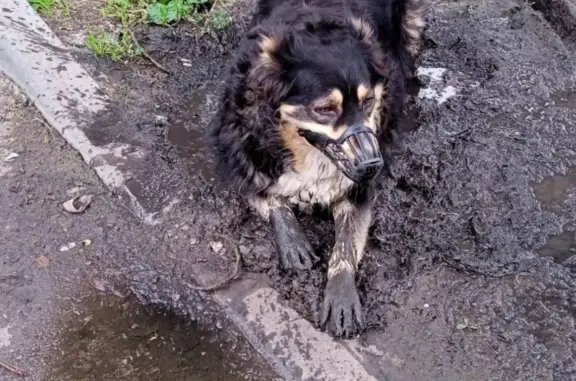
[{"x": 470, "y": 273}]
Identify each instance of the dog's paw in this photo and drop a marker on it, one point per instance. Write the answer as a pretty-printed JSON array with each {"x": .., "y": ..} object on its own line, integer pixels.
[
  {"x": 341, "y": 313},
  {"x": 297, "y": 254},
  {"x": 295, "y": 250}
]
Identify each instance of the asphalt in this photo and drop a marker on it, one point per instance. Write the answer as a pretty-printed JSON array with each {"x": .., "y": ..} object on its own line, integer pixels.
[{"x": 470, "y": 269}]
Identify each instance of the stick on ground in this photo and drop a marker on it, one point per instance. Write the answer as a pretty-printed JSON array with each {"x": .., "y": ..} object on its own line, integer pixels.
[
  {"x": 145, "y": 54},
  {"x": 12, "y": 368}
]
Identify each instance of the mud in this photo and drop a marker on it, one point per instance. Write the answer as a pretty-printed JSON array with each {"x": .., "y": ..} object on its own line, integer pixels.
[
  {"x": 468, "y": 273},
  {"x": 66, "y": 311},
  {"x": 114, "y": 338}
]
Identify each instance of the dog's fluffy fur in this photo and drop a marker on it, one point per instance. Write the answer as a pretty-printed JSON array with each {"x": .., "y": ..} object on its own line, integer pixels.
[{"x": 296, "y": 53}]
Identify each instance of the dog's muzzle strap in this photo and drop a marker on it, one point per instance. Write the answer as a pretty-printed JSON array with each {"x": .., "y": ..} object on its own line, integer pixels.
[{"x": 366, "y": 161}]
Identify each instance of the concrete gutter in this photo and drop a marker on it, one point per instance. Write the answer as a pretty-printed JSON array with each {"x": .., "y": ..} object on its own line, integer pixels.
[{"x": 71, "y": 101}]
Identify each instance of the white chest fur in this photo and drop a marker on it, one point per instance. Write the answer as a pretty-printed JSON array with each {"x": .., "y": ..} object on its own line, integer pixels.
[{"x": 319, "y": 183}]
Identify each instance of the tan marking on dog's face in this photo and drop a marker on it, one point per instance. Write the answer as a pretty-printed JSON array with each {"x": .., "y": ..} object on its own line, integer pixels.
[
  {"x": 362, "y": 91},
  {"x": 334, "y": 98},
  {"x": 318, "y": 117},
  {"x": 299, "y": 146},
  {"x": 363, "y": 28}
]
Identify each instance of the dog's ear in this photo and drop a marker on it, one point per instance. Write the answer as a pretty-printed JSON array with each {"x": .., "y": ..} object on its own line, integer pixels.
[
  {"x": 413, "y": 24},
  {"x": 265, "y": 76},
  {"x": 246, "y": 136}
]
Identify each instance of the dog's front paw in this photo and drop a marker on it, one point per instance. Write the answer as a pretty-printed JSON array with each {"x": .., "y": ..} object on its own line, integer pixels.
[
  {"x": 293, "y": 247},
  {"x": 341, "y": 313}
]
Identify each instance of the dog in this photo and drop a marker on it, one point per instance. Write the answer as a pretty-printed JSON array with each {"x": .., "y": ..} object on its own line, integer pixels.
[{"x": 312, "y": 100}]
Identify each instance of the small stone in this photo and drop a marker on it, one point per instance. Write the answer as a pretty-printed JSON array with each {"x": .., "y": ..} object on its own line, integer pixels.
[
  {"x": 11, "y": 157},
  {"x": 68, "y": 246},
  {"x": 216, "y": 246},
  {"x": 161, "y": 120}
]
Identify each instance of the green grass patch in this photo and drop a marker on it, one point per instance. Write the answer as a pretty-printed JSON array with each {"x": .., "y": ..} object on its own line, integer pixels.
[
  {"x": 114, "y": 47},
  {"x": 50, "y": 7},
  {"x": 132, "y": 13}
]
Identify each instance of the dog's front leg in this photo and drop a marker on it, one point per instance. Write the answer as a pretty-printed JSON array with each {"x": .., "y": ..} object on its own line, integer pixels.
[
  {"x": 293, "y": 247},
  {"x": 341, "y": 312}
]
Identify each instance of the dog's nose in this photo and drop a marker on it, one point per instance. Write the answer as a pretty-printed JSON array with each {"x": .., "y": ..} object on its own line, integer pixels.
[{"x": 362, "y": 149}]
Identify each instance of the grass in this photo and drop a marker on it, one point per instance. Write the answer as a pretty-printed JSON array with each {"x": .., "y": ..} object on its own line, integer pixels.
[
  {"x": 116, "y": 48},
  {"x": 132, "y": 13},
  {"x": 50, "y": 7}
]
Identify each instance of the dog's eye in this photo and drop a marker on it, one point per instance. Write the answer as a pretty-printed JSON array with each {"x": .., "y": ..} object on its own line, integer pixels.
[
  {"x": 326, "y": 111},
  {"x": 368, "y": 102}
]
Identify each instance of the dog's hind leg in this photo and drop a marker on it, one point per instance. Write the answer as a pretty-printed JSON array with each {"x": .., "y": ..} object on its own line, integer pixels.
[
  {"x": 341, "y": 312},
  {"x": 293, "y": 247}
]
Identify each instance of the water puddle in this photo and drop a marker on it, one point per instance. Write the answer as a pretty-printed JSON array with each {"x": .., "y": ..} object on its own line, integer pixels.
[
  {"x": 191, "y": 146},
  {"x": 112, "y": 338},
  {"x": 188, "y": 133},
  {"x": 555, "y": 190},
  {"x": 560, "y": 247},
  {"x": 566, "y": 98}
]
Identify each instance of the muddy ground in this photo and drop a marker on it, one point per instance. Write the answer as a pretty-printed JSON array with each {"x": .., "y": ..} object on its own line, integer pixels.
[
  {"x": 65, "y": 311},
  {"x": 470, "y": 272}
]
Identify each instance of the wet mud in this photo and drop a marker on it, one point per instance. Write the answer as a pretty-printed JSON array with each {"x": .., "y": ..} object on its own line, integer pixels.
[
  {"x": 108, "y": 337},
  {"x": 469, "y": 272}
]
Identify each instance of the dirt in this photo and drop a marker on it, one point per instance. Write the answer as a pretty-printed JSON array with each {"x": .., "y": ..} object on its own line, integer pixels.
[
  {"x": 66, "y": 312},
  {"x": 470, "y": 271}
]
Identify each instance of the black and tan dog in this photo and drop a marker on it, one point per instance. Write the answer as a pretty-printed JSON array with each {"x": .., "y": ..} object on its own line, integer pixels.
[{"x": 312, "y": 99}]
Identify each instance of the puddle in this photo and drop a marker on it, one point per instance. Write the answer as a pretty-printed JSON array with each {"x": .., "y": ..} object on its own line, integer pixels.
[
  {"x": 191, "y": 146},
  {"x": 187, "y": 134},
  {"x": 555, "y": 190},
  {"x": 112, "y": 339},
  {"x": 566, "y": 98},
  {"x": 560, "y": 247}
]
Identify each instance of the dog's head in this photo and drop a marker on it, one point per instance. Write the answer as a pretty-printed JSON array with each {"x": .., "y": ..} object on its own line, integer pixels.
[
  {"x": 317, "y": 82},
  {"x": 327, "y": 80}
]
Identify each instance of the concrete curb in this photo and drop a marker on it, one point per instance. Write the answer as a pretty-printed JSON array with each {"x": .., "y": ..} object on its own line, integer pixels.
[
  {"x": 71, "y": 101},
  {"x": 68, "y": 98}
]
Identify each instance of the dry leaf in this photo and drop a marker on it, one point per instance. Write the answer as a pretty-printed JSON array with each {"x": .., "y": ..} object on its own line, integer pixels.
[
  {"x": 99, "y": 284},
  {"x": 43, "y": 261},
  {"x": 77, "y": 204}
]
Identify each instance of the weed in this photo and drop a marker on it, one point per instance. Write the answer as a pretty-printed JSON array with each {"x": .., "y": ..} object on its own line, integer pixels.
[
  {"x": 131, "y": 13},
  {"x": 48, "y": 7},
  {"x": 105, "y": 44},
  {"x": 220, "y": 19},
  {"x": 169, "y": 12}
]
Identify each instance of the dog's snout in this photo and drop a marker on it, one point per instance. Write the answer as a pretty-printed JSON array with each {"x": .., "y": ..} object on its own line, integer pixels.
[{"x": 362, "y": 149}]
